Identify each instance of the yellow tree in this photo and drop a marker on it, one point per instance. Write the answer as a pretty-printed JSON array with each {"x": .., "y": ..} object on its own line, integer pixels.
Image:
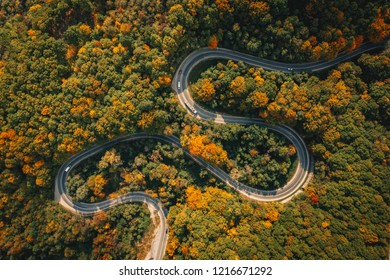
[
  {"x": 204, "y": 89},
  {"x": 260, "y": 8},
  {"x": 224, "y": 6},
  {"x": 96, "y": 184},
  {"x": 201, "y": 145},
  {"x": 194, "y": 198},
  {"x": 237, "y": 86},
  {"x": 259, "y": 99},
  {"x": 290, "y": 101}
]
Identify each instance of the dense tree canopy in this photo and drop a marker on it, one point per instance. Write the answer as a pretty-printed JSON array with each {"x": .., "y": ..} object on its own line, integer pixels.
[{"x": 74, "y": 73}]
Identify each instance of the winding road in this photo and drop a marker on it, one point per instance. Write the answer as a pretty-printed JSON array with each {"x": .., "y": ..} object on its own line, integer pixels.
[{"x": 180, "y": 84}]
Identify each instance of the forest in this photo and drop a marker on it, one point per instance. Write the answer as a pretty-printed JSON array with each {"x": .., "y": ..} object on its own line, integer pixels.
[{"x": 76, "y": 73}]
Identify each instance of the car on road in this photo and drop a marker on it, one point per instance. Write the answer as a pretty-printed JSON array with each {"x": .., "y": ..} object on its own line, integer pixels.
[
  {"x": 178, "y": 85},
  {"x": 191, "y": 108},
  {"x": 290, "y": 69},
  {"x": 67, "y": 168}
]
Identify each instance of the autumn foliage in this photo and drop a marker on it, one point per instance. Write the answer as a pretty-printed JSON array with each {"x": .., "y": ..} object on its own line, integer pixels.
[
  {"x": 213, "y": 42},
  {"x": 201, "y": 145},
  {"x": 77, "y": 73},
  {"x": 96, "y": 184},
  {"x": 380, "y": 27},
  {"x": 203, "y": 89},
  {"x": 213, "y": 217}
]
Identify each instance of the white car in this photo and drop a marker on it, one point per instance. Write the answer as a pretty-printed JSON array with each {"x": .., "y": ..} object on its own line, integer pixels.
[
  {"x": 67, "y": 169},
  {"x": 191, "y": 108}
]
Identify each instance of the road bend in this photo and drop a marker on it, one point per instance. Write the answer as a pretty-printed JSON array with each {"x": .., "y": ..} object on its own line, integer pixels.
[{"x": 180, "y": 83}]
